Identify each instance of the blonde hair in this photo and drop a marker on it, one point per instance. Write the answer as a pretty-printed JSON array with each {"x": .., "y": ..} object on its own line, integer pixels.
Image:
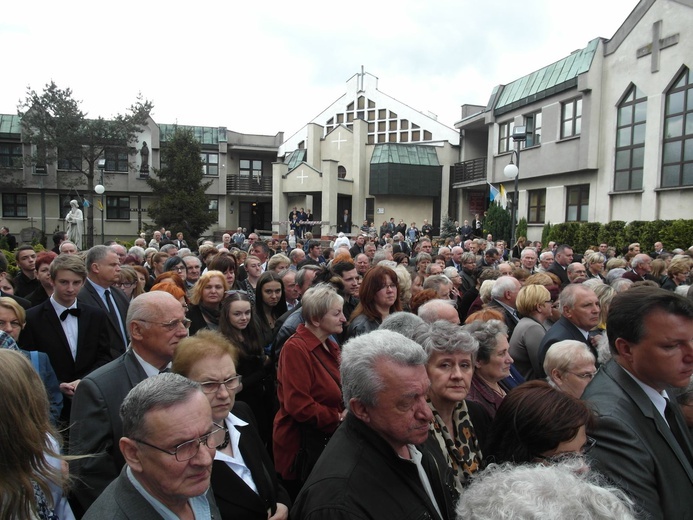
[{"x": 196, "y": 296}]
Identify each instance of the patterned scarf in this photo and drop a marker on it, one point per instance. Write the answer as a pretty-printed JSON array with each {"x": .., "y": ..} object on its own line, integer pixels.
[{"x": 461, "y": 449}]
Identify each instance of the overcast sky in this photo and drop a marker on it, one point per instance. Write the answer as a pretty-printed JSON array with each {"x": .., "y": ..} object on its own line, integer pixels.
[{"x": 266, "y": 66}]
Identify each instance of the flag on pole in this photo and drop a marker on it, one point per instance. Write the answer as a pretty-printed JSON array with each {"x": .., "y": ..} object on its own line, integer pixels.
[
  {"x": 493, "y": 196},
  {"x": 98, "y": 203},
  {"x": 503, "y": 198}
]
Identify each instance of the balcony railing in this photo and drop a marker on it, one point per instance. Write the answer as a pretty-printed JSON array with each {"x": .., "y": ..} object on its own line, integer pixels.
[
  {"x": 473, "y": 170},
  {"x": 235, "y": 184}
]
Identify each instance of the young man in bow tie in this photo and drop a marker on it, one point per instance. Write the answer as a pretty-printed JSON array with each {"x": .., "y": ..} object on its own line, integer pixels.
[{"x": 75, "y": 336}]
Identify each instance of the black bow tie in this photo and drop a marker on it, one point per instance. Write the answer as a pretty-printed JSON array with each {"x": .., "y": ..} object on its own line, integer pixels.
[{"x": 75, "y": 312}]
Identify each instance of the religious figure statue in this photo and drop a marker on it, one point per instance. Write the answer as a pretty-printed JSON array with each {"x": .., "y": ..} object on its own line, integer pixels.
[
  {"x": 74, "y": 222},
  {"x": 144, "y": 154}
]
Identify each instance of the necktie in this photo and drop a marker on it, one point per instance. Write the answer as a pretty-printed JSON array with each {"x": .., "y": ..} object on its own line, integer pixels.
[
  {"x": 676, "y": 430},
  {"x": 111, "y": 310},
  {"x": 75, "y": 312}
]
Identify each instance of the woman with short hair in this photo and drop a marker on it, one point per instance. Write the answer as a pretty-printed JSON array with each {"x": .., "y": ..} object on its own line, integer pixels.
[
  {"x": 569, "y": 366},
  {"x": 492, "y": 364},
  {"x": 309, "y": 387},
  {"x": 451, "y": 355},
  {"x": 535, "y": 306}
]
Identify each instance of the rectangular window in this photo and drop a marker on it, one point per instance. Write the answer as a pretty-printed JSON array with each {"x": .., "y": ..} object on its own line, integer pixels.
[
  {"x": 213, "y": 206},
  {"x": 571, "y": 118},
  {"x": 118, "y": 208},
  {"x": 69, "y": 162},
  {"x": 533, "y": 126},
  {"x": 116, "y": 160},
  {"x": 537, "y": 206},
  {"x": 505, "y": 132},
  {"x": 210, "y": 164},
  {"x": 250, "y": 169},
  {"x": 577, "y": 203},
  {"x": 10, "y": 155},
  {"x": 14, "y": 205}
]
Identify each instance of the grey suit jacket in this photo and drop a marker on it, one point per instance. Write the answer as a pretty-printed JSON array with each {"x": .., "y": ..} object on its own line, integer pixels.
[
  {"x": 96, "y": 425},
  {"x": 635, "y": 447},
  {"x": 89, "y": 296},
  {"x": 121, "y": 501}
]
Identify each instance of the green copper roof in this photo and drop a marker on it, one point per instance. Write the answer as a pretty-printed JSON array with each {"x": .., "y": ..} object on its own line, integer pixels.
[
  {"x": 204, "y": 134},
  {"x": 10, "y": 124},
  {"x": 392, "y": 153},
  {"x": 545, "y": 82},
  {"x": 295, "y": 158}
]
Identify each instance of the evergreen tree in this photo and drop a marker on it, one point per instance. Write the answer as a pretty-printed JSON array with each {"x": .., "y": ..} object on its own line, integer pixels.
[
  {"x": 447, "y": 228},
  {"x": 54, "y": 123},
  {"x": 181, "y": 204},
  {"x": 498, "y": 223}
]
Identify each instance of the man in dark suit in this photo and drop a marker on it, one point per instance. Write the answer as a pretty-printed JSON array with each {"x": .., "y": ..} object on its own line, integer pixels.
[
  {"x": 9, "y": 238},
  {"x": 504, "y": 296},
  {"x": 26, "y": 281},
  {"x": 103, "y": 270},
  {"x": 155, "y": 322},
  {"x": 162, "y": 412},
  {"x": 73, "y": 336},
  {"x": 641, "y": 267},
  {"x": 563, "y": 257},
  {"x": 580, "y": 314},
  {"x": 643, "y": 445}
]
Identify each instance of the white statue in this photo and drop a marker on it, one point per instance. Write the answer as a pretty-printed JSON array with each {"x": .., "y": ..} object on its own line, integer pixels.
[{"x": 74, "y": 222}]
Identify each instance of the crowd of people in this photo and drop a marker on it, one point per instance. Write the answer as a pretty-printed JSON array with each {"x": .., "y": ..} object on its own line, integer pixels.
[{"x": 380, "y": 375}]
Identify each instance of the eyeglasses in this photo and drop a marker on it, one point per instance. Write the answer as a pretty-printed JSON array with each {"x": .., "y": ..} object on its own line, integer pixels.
[
  {"x": 172, "y": 325},
  {"x": 232, "y": 384},
  {"x": 14, "y": 324},
  {"x": 584, "y": 375},
  {"x": 189, "y": 449},
  {"x": 127, "y": 285},
  {"x": 180, "y": 268},
  {"x": 389, "y": 286}
]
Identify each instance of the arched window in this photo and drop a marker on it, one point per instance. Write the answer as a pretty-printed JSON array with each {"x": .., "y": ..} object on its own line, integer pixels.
[
  {"x": 677, "y": 158},
  {"x": 630, "y": 141}
]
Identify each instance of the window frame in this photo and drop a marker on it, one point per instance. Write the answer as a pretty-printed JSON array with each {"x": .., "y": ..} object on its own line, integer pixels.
[
  {"x": 11, "y": 159},
  {"x": 536, "y": 212},
  {"x": 117, "y": 160},
  {"x": 635, "y": 152},
  {"x": 210, "y": 168},
  {"x": 250, "y": 171},
  {"x": 15, "y": 205},
  {"x": 583, "y": 202},
  {"x": 118, "y": 211},
  {"x": 574, "y": 119},
  {"x": 505, "y": 136},
  {"x": 683, "y": 85},
  {"x": 533, "y": 130}
]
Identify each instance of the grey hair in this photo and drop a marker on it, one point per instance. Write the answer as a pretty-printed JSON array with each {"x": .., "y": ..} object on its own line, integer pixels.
[
  {"x": 294, "y": 253},
  {"x": 558, "y": 490},
  {"x": 468, "y": 257},
  {"x": 450, "y": 272},
  {"x": 379, "y": 256},
  {"x": 167, "y": 247},
  {"x": 150, "y": 250},
  {"x": 65, "y": 242},
  {"x": 430, "y": 310},
  {"x": 504, "y": 283},
  {"x": 563, "y": 354},
  {"x": 387, "y": 263},
  {"x": 301, "y": 273},
  {"x": 639, "y": 259},
  {"x": 360, "y": 355},
  {"x": 615, "y": 274},
  {"x": 403, "y": 322},
  {"x": 486, "y": 333},
  {"x": 184, "y": 251},
  {"x": 445, "y": 338},
  {"x": 570, "y": 294},
  {"x": 154, "y": 393},
  {"x": 137, "y": 252},
  {"x": 96, "y": 254},
  {"x": 486, "y": 289},
  {"x": 526, "y": 251},
  {"x": 423, "y": 256},
  {"x": 146, "y": 307},
  {"x": 621, "y": 284},
  {"x": 317, "y": 300},
  {"x": 435, "y": 281}
]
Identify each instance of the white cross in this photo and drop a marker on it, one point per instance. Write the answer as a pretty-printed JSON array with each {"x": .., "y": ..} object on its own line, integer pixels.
[
  {"x": 657, "y": 45},
  {"x": 302, "y": 176},
  {"x": 339, "y": 140}
]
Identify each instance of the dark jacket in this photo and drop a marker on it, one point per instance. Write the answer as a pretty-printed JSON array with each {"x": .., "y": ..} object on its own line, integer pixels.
[
  {"x": 562, "y": 329},
  {"x": 89, "y": 296},
  {"x": 635, "y": 447},
  {"x": 359, "y": 476},
  {"x": 236, "y": 501}
]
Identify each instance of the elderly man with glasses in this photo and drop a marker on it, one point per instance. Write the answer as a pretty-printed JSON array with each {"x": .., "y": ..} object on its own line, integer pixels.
[
  {"x": 168, "y": 442},
  {"x": 156, "y": 322}
]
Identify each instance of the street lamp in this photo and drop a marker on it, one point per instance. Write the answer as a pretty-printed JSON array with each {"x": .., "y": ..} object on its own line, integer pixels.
[
  {"x": 100, "y": 189},
  {"x": 512, "y": 171}
]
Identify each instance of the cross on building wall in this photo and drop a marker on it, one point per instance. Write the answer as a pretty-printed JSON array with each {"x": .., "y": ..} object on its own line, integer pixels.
[
  {"x": 339, "y": 140},
  {"x": 657, "y": 45},
  {"x": 302, "y": 176}
]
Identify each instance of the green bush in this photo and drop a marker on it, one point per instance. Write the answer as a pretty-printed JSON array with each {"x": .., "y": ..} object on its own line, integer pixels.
[
  {"x": 521, "y": 230},
  {"x": 498, "y": 223}
]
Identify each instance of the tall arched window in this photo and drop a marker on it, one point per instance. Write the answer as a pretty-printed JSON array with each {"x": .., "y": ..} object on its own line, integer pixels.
[
  {"x": 630, "y": 141},
  {"x": 677, "y": 159}
]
